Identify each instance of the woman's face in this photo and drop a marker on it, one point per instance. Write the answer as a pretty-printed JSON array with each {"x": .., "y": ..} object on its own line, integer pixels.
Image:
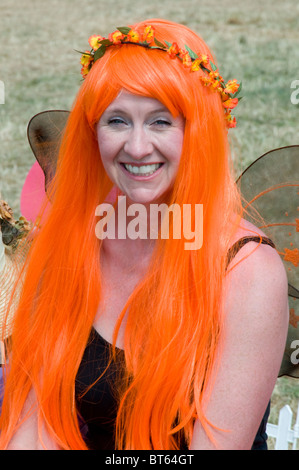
[{"x": 140, "y": 144}]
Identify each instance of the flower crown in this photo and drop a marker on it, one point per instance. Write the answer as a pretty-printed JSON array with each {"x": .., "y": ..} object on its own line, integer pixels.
[{"x": 192, "y": 61}]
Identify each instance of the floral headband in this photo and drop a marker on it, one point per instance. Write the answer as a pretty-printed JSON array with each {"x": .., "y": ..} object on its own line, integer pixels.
[{"x": 192, "y": 61}]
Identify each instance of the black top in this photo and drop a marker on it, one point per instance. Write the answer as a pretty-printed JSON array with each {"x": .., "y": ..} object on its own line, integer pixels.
[{"x": 97, "y": 406}]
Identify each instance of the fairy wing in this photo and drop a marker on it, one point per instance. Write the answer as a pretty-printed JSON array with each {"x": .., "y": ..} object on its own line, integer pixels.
[
  {"x": 45, "y": 131},
  {"x": 270, "y": 188}
]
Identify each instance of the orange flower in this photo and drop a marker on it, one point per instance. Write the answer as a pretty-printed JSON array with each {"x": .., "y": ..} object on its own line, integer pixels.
[
  {"x": 84, "y": 71},
  {"x": 205, "y": 80},
  {"x": 115, "y": 37},
  {"x": 187, "y": 62},
  {"x": 133, "y": 36},
  {"x": 224, "y": 96},
  {"x": 94, "y": 41},
  {"x": 231, "y": 103},
  {"x": 231, "y": 87},
  {"x": 205, "y": 59},
  {"x": 86, "y": 59},
  {"x": 216, "y": 76},
  {"x": 148, "y": 34},
  {"x": 173, "y": 50},
  {"x": 215, "y": 84},
  {"x": 202, "y": 60},
  {"x": 195, "y": 65},
  {"x": 230, "y": 121}
]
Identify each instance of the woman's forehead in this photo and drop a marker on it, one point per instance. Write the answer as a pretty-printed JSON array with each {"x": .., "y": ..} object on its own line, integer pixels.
[{"x": 126, "y": 101}]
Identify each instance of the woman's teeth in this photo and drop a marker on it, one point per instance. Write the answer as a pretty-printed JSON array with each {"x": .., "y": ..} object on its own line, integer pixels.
[{"x": 144, "y": 170}]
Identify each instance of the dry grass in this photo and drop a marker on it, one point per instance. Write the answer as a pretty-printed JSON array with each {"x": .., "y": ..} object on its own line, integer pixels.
[{"x": 255, "y": 42}]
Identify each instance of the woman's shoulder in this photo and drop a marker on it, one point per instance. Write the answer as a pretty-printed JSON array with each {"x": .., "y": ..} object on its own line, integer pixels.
[
  {"x": 246, "y": 239},
  {"x": 246, "y": 229}
]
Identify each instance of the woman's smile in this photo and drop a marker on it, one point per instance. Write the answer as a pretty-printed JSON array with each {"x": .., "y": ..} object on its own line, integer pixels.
[{"x": 141, "y": 172}]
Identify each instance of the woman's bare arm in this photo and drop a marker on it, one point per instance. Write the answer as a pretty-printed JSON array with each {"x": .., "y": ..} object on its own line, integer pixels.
[{"x": 256, "y": 323}]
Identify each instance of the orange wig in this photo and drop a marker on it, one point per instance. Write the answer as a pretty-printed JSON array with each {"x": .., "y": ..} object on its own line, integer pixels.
[{"x": 174, "y": 314}]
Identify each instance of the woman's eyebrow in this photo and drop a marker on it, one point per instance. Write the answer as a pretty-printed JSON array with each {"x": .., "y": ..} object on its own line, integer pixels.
[
  {"x": 123, "y": 111},
  {"x": 160, "y": 110}
]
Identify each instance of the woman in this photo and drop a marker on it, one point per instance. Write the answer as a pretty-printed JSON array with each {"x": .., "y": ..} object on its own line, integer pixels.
[{"x": 197, "y": 342}]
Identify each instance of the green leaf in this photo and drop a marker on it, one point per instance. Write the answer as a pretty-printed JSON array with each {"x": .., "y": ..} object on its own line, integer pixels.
[
  {"x": 159, "y": 44},
  {"x": 191, "y": 53},
  {"x": 85, "y": 53},
  {"x": 99, "y": 52},
  {"x": 168, "y": 43},
  {"x": 106, "y": 42},
  {"x": 124, "y": 29},
  {"x": 238, "y": 92},
  {"x": 213, "y": 66}
]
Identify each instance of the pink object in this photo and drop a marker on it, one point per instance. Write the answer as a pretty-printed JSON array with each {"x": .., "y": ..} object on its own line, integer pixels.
[{"x": 33, "y": 193}]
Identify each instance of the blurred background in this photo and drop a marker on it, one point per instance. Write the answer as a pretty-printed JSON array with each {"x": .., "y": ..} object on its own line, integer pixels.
[{"x": 255, "y": 42}]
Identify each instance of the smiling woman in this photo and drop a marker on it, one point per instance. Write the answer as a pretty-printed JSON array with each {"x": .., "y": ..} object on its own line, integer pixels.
[{"x": 141, "y": 343}]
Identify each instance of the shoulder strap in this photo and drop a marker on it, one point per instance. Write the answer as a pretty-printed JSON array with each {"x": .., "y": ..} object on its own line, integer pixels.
[{"x": 242, "y": 241}]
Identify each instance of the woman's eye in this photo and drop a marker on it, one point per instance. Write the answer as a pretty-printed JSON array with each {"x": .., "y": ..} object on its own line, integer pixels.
[
  {"x": 116, "y": 121},
  {"x": 162, "y": 122}
]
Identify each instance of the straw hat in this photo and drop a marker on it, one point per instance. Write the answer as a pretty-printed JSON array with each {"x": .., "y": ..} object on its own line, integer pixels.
[{"x": 13, "y": 251}]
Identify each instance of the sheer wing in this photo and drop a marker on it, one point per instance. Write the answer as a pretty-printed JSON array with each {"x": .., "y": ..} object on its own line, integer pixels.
[{"x": 270, "y": 188}]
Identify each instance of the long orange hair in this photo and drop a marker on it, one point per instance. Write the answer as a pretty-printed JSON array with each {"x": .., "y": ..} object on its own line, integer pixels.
[{"x": 174, "y": 314}]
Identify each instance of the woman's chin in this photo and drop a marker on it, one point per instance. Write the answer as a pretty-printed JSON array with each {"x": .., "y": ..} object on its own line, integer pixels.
[{"x": 144, "y": 198}]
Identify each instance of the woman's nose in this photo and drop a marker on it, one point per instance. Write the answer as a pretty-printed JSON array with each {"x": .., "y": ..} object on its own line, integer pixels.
[{"x": 138, "y": 144}]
